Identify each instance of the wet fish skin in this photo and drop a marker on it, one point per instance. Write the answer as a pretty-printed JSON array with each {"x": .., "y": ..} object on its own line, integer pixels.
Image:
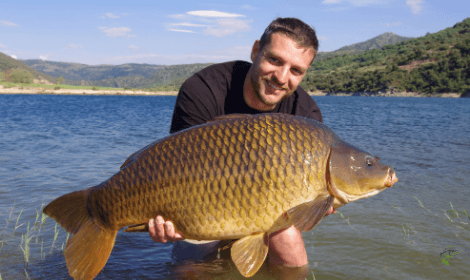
[{"x": 238, "y": 177}]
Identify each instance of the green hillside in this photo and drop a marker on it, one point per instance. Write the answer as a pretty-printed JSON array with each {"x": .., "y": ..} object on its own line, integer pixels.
[
  {"x": 131, "y": 75},
  {"x": 378, "y": 42},
  {"x": 8, "y": 64},
  {"x": 435, "y": 63}
]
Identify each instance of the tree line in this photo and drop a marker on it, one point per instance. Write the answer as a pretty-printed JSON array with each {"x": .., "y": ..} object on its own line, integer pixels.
[{"x": 436, "y": 63}]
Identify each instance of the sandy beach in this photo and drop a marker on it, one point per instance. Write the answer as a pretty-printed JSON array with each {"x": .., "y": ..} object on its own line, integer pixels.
[
  {"x": 63, "y": 91},
  {"x": 39, "y": 90}
]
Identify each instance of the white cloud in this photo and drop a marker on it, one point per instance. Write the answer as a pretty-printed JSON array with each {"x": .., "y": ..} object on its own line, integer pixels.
[
  {"x": 2, "y": 46},
  {"x": 177, "y": 16},
  {"x": 213, "y": 14},
  {"x": 248, "y": 7},
  {"x": 74, "y": 46},
  {"x": 44, "y": 57},
  {"x": 14, "y": 56},
  {"x": 189, "y": 24},
  {"x": 8, "y": 23},
  {"x": 415, "y": 5},
  {"x": 133, "y": 47},
  {"x": 111, "y": 15},
  {"x": 227, "y": 26},
  {"x": 181, "y": 30},
  {"x": 117, "y": 31},
  {"x": 321, "y": 38},
  {"x": 359, "y": 3}
]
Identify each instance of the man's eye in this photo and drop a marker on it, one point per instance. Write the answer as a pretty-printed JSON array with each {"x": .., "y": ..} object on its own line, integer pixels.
[{"x": 272, "y": 59}]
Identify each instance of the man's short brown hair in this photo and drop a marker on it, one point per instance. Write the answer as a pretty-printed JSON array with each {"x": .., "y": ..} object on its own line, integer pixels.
[{"x": 297, "y": 30}]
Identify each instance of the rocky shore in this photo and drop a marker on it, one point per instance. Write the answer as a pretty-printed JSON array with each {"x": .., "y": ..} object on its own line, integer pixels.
[{"x": 63, "y": 91}]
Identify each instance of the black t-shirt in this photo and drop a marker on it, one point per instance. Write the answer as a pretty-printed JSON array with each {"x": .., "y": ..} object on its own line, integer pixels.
[{"x": 218, "y": 90}]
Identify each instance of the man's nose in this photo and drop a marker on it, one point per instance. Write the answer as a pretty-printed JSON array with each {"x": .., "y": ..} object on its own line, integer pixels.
[{"x": 281, "y": 75}]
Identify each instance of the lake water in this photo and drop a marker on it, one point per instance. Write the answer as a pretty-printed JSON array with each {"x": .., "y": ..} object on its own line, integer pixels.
[{"x": 52, "y": 145}]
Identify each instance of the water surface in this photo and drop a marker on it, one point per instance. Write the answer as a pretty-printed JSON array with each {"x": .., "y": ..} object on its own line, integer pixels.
[{"x": 52, "y": 145}]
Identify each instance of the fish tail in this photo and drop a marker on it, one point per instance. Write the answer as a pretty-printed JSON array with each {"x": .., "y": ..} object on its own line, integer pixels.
[{"x": 88, "y": 250}]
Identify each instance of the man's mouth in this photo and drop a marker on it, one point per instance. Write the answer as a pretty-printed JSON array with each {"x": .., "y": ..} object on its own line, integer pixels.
[{"x": 274, "y": 86}]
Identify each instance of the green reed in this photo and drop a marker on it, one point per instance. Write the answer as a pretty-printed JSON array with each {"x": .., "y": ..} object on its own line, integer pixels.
[
  {"x": 34, "y": 238},
  {"x": 25, "y": 250},
  {"x": 17, "y": 220}
]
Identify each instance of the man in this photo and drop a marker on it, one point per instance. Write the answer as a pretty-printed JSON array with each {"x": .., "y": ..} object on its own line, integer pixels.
[{"x": 270, "y": 85}]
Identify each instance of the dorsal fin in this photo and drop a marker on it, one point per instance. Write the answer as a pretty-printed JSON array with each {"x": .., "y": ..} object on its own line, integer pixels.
[{"x": 135, "y": 155}]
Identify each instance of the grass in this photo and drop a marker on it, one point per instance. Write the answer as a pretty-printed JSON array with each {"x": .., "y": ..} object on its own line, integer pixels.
[{"x": 34, "y": 237}]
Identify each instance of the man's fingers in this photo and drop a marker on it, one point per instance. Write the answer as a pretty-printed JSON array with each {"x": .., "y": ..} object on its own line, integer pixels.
[
  {"x": 169, "y": 231},
  {"x": 160, "y": 230}
]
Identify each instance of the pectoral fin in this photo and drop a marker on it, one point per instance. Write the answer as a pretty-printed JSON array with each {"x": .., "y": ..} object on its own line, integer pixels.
[
  {"x": 307, "y": 215},
  {"x": 249, "y": 253},
  {"x": 143, "y": 227}
]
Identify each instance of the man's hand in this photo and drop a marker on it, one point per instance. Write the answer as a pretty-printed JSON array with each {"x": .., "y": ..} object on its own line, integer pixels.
[{"x": 161, "y": 231}]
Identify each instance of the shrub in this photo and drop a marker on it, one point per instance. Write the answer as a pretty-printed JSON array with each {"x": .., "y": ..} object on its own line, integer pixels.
[
  {"x": 21, "y": 76},
  {"x": 57, "y": 87},
  {"x": 94, "y": 88}
]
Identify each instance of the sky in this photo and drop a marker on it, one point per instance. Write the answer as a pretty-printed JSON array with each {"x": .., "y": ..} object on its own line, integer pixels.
[{"x": 182, "y": 32}]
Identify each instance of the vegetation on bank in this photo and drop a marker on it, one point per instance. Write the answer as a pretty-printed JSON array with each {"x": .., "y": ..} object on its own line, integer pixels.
[
  {"x": 435, "y": 63},
  {"x": 56, "y": 87}
]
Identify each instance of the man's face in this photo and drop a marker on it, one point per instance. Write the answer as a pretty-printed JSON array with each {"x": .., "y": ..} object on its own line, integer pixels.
[{"x": 277, "y": 70}]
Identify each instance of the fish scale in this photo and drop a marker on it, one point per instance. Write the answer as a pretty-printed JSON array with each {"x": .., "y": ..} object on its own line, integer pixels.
[
  {"x": 183, "y": 165},
  {"x": 236, "y": 177}
]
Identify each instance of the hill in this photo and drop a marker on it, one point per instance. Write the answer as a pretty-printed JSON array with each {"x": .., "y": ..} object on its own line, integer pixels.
[
  {"x": 378, "y": 42},
  {"x": 8, "y": 63},
  {"x": 78, "y": 72},
  {"x": 131, "y": 75},
  {"x": 435, "y": 63}
]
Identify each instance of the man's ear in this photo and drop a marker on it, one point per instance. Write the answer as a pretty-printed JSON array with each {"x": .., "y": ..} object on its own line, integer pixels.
[{"x": 254, "y": 50}]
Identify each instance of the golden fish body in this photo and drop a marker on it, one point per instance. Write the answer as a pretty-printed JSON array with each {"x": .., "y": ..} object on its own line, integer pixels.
[{"x": 237, "y": 177}]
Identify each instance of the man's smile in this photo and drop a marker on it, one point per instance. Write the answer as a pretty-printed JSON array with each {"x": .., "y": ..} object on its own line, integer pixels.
[{"x": 274, "y": 86}]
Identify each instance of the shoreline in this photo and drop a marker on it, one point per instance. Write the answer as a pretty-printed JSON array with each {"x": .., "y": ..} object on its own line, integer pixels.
[
  {"x": 64, "y": 91},
  {"x": 387, "y": 94},
  {"x": 38, "y": 90}
]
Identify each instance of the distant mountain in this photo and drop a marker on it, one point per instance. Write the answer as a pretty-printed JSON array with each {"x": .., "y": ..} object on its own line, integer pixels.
[
  {"x": 9, "y": 63},
  {"x": 378, "y": 42},
  {"x": 78, "y": 72},
  {"x": 126, "y": 75}
]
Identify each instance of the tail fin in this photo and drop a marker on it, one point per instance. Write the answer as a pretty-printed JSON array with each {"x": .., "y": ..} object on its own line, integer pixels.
[{"x": 88, "y": 250}]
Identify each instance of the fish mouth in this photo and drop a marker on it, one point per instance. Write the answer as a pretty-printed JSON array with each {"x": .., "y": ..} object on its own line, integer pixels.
[{"x": 391, "y": 178}]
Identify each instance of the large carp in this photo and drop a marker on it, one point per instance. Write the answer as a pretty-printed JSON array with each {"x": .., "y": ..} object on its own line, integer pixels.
[{"x": 242, "y": 177}]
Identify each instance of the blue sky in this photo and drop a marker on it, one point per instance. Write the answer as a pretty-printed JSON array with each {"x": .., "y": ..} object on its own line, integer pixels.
[{"x": 180, "y": 32}]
